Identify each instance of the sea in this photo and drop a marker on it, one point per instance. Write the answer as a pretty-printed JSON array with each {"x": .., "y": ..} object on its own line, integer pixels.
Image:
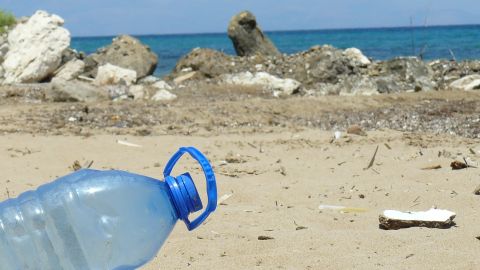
[{"x": 460, "y": 42}]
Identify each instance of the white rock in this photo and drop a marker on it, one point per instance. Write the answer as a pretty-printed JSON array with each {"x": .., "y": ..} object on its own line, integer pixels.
[
  {"x": 471, "y": 82},
  {"x": 35, "y": 48},
  {"x": 110, "y": 74},
  {"x": 149, "y": 80},
  {"x": 3, "y": 50},
  {"x": 357, "y": 56},
  {"x": 138, "y": 91},
  {"x": 162, "y": 85},
  {"x": 71, "y": 70},
  {"x": 163, "y": 95},
  {"x": 278, "y": 86}
]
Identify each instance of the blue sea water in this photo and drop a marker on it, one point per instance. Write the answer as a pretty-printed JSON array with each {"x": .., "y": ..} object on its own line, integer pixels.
[{"x": 435, "y": 42}]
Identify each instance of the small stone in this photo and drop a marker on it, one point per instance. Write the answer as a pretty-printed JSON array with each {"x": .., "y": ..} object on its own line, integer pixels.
[
  {"x": 356, "y": 130},
  {"x": 458, "y": 165},
  {"x": 263, "y": 238}
]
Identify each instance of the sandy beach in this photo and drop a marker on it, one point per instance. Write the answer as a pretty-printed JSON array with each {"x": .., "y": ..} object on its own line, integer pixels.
[
  {"x": 275, "y": 180},
  {"x": 294, "y": 133}
]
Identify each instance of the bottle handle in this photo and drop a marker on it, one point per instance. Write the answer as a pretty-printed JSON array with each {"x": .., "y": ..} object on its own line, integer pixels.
[{"x": 209, "y": 176}]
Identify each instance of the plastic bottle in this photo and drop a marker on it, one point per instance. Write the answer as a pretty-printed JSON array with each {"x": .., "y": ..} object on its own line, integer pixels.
[{"x": 89, "y": 220}]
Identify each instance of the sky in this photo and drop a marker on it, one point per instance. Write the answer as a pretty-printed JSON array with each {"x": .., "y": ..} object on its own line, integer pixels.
[{"x": 113, "y": 17}]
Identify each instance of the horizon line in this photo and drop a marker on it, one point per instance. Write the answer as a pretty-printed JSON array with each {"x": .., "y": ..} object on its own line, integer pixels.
[{"x": 286, "y": 31}]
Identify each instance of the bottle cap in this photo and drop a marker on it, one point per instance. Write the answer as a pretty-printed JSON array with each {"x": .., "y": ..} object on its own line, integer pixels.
[{"x": 183, "y": 191}]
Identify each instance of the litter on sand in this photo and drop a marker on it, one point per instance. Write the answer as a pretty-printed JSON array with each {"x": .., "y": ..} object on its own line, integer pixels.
[
  {"x": 433, "y": 218},
  {"x": 128, "y": 144},
  {"x": 342, "y": 209},
  {"x": 221, "y": 200}
]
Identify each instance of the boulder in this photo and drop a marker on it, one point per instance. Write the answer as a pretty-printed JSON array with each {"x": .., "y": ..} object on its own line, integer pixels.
[
  {"x": 71, "y": 70},
  {"x": 110, "y": 74},
  {"x": 349, "y": 86},
  {"x": 357, "y": 57},
  {"x": 403, "y": 74},
  {"x": 207, "y": 62},
  {"x": 163, "y": 95},
  {"x": 278, "y": 86},
  {"x": 126, "y": 52},
  {"x": 74, "y": 91},
  {"x": 320, "y": 64},
  {"x": 471, "y": 82},
  {"x": 35, "y": 48},
  {"x": 247, "y": 37}
]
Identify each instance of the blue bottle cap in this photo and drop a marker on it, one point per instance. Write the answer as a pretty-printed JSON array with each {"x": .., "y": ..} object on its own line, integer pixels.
[
  {"x": 185, "y": 195},
  {"x": 183, "y": 191}
]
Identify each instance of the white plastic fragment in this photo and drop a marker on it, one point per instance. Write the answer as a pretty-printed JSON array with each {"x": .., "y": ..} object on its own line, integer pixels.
[
  {"x": 128, "y": 144},
  {"x": 342, "y": 209},
  {"x": 224, "y": 198}
]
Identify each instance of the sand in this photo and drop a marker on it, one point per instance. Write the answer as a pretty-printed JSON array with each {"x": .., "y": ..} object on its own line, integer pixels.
[{"x": 277, "y": 182}]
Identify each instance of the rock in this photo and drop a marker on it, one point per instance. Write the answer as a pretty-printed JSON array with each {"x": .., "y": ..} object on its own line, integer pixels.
[
  {"x": 349, "y": 86},
  {"x": 356, "y": 130},
  {"x": 2, "y": 73},
  {"x": 433, "y": 218},
  {"x": 70, "y": 70},
  {"x": 471, "y": 82},
  {"x": 162, "y": 85},
  {"x": 207, "y": 62},
  {"x": 118, "y": 91},
  {"x": 403, "y": 74},
  {"x": 163, "y": 95},
  {"x": 247, "y": 37},
  {"x": 321, "y": 64},
  {"x": 74, "y": 91},
  {"x": 138, "y": 92},
  {"x": 445, "y": 72},
  {"x": 148, "y": 80},
  {"x": 69, "y": 55},
  {"x": 357, "y": 57},
  {"x": 278, "y": 86},
  {"x": 126, "y": 52},
  {"x": 3, "y": 48},
  {"x": 36, "y": 48},
  {"x": 110, "y": 74}
]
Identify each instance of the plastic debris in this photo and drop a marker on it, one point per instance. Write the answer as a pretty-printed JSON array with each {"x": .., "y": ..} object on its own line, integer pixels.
[
  {"x": 342, "y": 209},
  {"x": 128, "y": 144}
]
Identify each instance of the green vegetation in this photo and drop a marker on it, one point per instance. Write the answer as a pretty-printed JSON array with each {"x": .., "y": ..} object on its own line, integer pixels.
[{"x": 6, "y": 19}]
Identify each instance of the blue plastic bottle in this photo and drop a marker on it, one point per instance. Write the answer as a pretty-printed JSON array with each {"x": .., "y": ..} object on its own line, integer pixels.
[{"x": 100, "y": 220}]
